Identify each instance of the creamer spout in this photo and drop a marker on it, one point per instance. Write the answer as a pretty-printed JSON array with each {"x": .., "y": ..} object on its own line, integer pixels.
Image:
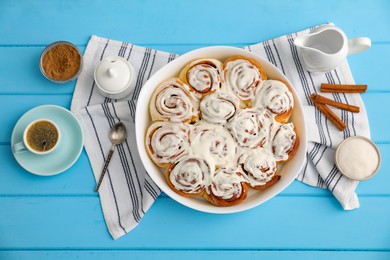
[{"x": 300, "y": 41}]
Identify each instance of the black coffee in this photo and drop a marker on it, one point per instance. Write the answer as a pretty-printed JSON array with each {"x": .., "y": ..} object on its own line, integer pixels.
[{"x": 42, "y": 136}]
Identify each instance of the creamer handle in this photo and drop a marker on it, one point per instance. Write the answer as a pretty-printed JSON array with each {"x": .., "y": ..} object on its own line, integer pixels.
[{"x": 358, "y": 44}]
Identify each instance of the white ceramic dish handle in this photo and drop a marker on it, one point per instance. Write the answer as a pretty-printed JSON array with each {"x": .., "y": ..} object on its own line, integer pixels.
[{"x": 358, "y": 44}]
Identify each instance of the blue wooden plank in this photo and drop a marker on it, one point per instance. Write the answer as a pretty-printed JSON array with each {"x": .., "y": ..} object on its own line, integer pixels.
[
  {"x": 374, "y": 103},
  {"x": 306, "y": 226},
  {"x": 368, "y": 67},
  {"x": 288, "y": 223},
  {"x": 10, "y": 116},
  {"x": 183, "y": 21},
  {"x": 9, "y": 113},
  {"x": 20, "y": 73},
  {"x": 190, "y": 254},
  {"x": 14, "y": 180},
  {"x": 78, "y": 180},
  {"x": 381, "y": 180},
  {"x": 25, "y": 60}
]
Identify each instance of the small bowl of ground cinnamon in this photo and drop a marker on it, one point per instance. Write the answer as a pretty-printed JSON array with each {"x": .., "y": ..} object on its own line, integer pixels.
[{"x": 61, "y": 62}]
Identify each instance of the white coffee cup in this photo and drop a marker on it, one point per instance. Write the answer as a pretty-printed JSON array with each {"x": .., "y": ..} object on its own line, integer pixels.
[
  {"x": 41, "y": 136},
  {"x": 327, "y": 46}
]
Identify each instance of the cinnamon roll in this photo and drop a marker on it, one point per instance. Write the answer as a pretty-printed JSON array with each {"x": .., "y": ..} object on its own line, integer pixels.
[
  {"x": 218, "y": 107},
  {"x": 242, "y": 76},
  {"x": 276, "y": 97},
  {"x": 259, "y": 167},
  {"x": 189, "y": 175},
  {"x": 173, "y": 101},
  {"x": 167, "y": 142},
  {"x": 250, "y": 128},
  {"x": 227, "y": 187},
  {"x": 203, "y": 75},
  {"x": 284, "y": 142},
  {"x": 214, "y": 142},
  {"x": 221, "y": 129}
]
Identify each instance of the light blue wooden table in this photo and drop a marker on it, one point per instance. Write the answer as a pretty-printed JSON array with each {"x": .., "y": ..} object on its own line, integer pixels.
[{"x": 60, "y": 217}]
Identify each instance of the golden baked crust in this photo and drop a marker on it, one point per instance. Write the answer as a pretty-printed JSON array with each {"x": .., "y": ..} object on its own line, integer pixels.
[
  {"x": 188, "y": 183},
  {"x": 167, "y": 142},
  {"x": 255, "y": 63},
  {"x": 274, "y": 180},
  {"x": 220, "y": 202},
  {"x": 173, "y": 101},
  {"x": 243, "y": 75},
  {"x": 291, "y": 150},
  {"x": 203, "y": 75},
  {"x": 285, "y": 117},
  {"x": 277, "y": 97},
  {"x": 227, "y": 187}
]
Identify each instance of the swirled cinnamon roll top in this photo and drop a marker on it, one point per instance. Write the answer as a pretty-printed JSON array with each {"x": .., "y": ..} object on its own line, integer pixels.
[
  {"x": 173, "y": 101},
  {"x": 242, "y": 76},
  {"x": 167, "y": 142},
  {"x": 284, "y": 142},
  {"x": 275, "y": 96},
  {"x": 227, "y": 187},
  {"x": 219, "y": 107},
  {"x": 259, "y": 167},
  {"x": 189, "y": 175},
  {"x": 203, "y": 75},
  {"x": 214, "y": 142},
  {"x": 221, "y": 129},
  {"x": 250, "y": 128}
]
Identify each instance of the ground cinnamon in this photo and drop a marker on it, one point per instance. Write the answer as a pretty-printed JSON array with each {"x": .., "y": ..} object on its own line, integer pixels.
[{"x": 61, "y": 62}]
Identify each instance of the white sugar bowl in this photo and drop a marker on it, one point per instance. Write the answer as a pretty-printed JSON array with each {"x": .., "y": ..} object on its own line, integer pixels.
[{"x": 115, "y": 77}]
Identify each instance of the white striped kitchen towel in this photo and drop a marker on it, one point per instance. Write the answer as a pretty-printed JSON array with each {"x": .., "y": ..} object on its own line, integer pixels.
[{"x": 128, "y": 192}]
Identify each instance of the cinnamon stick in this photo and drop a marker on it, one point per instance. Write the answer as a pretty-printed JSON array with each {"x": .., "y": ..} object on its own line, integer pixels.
[
  {"x": 330, "y": 115},
  {"x": 326, "y": 101},
  {"x": 343, "y": 88}
]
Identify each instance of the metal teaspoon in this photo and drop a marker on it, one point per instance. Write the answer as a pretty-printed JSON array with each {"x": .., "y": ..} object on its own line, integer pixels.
[{"x": 117, "y": 135}]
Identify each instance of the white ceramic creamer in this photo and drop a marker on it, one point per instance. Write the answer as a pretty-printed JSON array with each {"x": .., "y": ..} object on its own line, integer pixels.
[{"x": 327, "y": 46}]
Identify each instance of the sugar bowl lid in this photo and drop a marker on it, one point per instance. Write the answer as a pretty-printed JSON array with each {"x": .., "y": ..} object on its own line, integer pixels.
[{"x": 114, "y": 77}]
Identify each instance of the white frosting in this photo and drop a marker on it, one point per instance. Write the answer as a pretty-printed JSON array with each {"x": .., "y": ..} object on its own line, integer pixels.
[
  {"x": 283, "y": 141},
  {"x": 242, "y": 77},
  {"x": 226, "y": 183},
  {"x": 219, "y": 107},
  {"x": 275, "y": 96},
  {"x": 173, "y": 101},
  {"x": 250, "y": 128},
  {"x": 358, "y": 158},
  {"x": 191, "y": 174},
  {"x": 213, "y": 142},
  {"x": 167, "y": 142},
  {"x": 259, "y": 166},
  {"x": 235, "y": 141},
  {"x": 205, "y": 75}
]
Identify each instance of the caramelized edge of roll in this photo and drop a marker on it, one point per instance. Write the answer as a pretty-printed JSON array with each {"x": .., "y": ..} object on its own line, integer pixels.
[
  {"x": 217, "y": 201},
  {"x": 252, "y": 61},
  {"x": 149, "y": 148},
  {"x": 184, "y": 72},
  {"x": 170, "y": 184},
  {"x": 292, "y": 151},
  {"x": 152, "y": 103},
  {"x": 285, "y": 117}
]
